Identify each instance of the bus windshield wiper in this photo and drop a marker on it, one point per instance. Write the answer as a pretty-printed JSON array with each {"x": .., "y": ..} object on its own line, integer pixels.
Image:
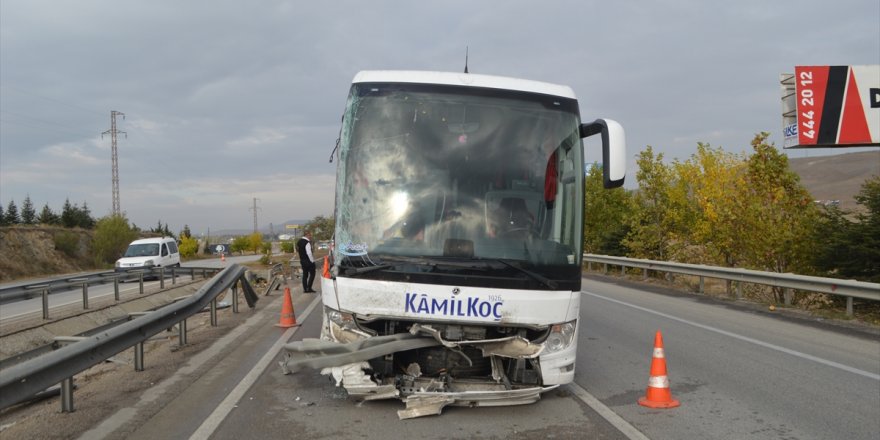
[
  {"x": 533, "y": 275},
  {"x": 362, "y": 270}
]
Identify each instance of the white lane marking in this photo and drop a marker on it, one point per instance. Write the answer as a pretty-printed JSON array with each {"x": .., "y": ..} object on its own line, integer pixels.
[
  {"x": 618, "y": 422},
  {"x": 213, "y": 421},
  {"x": 837, "y": 365}
]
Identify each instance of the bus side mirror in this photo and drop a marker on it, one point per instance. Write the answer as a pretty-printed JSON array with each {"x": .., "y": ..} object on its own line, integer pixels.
[{"x": 613, "y": 149}]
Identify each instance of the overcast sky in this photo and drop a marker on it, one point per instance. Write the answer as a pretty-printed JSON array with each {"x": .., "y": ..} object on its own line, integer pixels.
[{"x": 228, "y": 101}]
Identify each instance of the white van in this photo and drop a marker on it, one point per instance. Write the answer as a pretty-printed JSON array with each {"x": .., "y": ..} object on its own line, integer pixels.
[{"x": 148, "y": 253}]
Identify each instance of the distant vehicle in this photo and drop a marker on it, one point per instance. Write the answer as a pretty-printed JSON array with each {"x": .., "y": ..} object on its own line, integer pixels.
[
  {"x": 323, "y": 245},
  {"x": 148, "y": 253}
]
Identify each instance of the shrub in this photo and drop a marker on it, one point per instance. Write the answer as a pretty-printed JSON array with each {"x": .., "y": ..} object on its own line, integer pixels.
[
  {"x": 188, "y": 246},
  {"x": 112, "y": 236},
  {"x": 66, "y": 242}
]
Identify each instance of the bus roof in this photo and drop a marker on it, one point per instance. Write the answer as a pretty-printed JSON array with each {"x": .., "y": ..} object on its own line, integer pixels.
[{"x": 462, "y": 79}]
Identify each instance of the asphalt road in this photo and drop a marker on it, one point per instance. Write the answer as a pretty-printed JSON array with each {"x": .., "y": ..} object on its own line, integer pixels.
[{"x": 739, "y": 372}]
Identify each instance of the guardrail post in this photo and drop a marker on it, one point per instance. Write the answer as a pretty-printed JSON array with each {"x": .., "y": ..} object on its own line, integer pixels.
[
  {"x": 192, "y": 274},
  {"x": 849, "y": 306},
  {"x": 45, "y": 296},
  {"x": 67, "y": 395},
  {"x": 116, "y": 288},
  {"x": 141, "y": 281},
  {"x": 739, "y": 290},
  {"x": 139, "y": 356},
  {"x": 161, "y": 277},
  {"x": 605, "y": 269},
  {"x": 214, "y": 312},
  {"x": 702, "y": 284},
  {"x": 645, "y": 273},
  {"x": 181, "y": 333},
  {"x": 204, "y": 273},
  {"x": 235, "y": 297},
  {"x": 85, "y": 295},
  {"x": 173, "y": 276},
  {"x": 786, "y": 297},
  {"x": 85, "y": 290}
]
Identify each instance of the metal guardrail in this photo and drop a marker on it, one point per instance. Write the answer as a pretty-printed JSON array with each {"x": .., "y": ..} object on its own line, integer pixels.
[
  {"x": 23, "y": 291},
  {"x": 21, "y": 381},
  {"x": 833, "y": 286}
]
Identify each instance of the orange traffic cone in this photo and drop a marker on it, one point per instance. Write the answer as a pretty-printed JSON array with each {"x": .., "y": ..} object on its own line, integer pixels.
[
  {"x": 658, "y": 394},
  {"x": 326, "y": 273},
  {"x": 288, "y": 318}
]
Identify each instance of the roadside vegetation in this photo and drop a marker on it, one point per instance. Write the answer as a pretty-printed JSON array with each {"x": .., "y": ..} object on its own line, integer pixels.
[{"x": 744, "y": 211}]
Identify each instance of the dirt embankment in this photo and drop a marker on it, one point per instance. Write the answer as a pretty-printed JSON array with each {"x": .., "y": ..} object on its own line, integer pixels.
[{"x": 38, "y": 251}]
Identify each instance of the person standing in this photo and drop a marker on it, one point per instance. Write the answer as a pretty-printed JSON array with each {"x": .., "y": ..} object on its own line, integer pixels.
[{"x": 307, "y": 261}]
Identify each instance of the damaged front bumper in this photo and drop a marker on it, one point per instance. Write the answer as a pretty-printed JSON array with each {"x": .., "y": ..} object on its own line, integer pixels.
[{"x": 348, "y": 364}]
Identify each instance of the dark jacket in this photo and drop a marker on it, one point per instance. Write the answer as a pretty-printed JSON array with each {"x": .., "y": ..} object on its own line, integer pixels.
[{"x": 301, "y": 246}]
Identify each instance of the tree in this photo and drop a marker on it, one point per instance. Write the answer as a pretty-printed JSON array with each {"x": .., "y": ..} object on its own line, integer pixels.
[
  {"x": 239, "y": 244},
  {"x": 84, "y": 217},
  {"x": 2, "y": 216},
  {"x": 28, "y": 214},
  {"x": 188, "y": 246},
  {"x": 255, "y": 242},
  {"x": 185, "y": 232},
  {"x": 851, "y": 248},
  {"x": 781, "y": 215},
  {"x": 12, "y": 217},
  {"x": 47, "y": 216},
  {"x": 606, "y": 215},
  {"x": 112, "y": 236},
  {"x": 650, "y": 228},
  {"x": 321, "y": 227},
  {"x": 711, "y": 182},
  {"x": 68, "y": 215}
]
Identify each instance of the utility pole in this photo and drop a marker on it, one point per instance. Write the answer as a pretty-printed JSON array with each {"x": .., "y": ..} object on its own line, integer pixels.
[
  {"x": 255, "y": 208},
  {"x": 113, "y": 132}
]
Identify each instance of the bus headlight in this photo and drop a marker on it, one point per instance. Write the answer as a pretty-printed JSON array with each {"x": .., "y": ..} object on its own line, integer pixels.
[{"x": 561, "y": 337}]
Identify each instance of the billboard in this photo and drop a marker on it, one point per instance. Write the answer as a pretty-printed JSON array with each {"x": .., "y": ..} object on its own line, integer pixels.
[{"x": 831, "y": 106}]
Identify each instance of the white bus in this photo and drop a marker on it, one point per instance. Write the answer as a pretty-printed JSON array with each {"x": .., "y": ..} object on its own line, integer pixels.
[{"x": 456, "y": 270}]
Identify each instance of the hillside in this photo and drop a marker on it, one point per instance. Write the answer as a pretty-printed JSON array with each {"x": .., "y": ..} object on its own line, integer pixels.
[
  {"x": 838, "y": 177},
  {"x": 35, "y": 251}
]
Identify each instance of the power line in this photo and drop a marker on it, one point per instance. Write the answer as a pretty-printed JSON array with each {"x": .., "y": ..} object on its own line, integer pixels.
[{"x": 116, "y": 210}]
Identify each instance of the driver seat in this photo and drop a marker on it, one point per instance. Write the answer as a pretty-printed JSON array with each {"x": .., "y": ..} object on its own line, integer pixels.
[{"x": 513, "y": 215}]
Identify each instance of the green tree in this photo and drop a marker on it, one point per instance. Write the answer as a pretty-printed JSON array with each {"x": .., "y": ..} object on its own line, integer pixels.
[
  {"x": 239, "y": 244},
  {"x": 185, "y": 232},
  {"x": 288, "y": 246},
  {"x": 112, "y": 236},
  {"x": 710, "y": 182},
  {"x": 68, "y": 215},
  {"x": 47, "y": 216},
  {"x": 255, "y": 242},
  {"x": 188, "y": 246},
  {"x": 851, "y": 248},
  {"x": 12, "y": 217},
  {"x": 84, "y": 216},
  {"x": 650, "y": 228},
  {"x": 28, "y": 213},
  {"x": 321, "y": 227},
  {"x": 781, "y": 215},
  {"x": 606, "y": 215},
  {"x": 2, "y": 216}
]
